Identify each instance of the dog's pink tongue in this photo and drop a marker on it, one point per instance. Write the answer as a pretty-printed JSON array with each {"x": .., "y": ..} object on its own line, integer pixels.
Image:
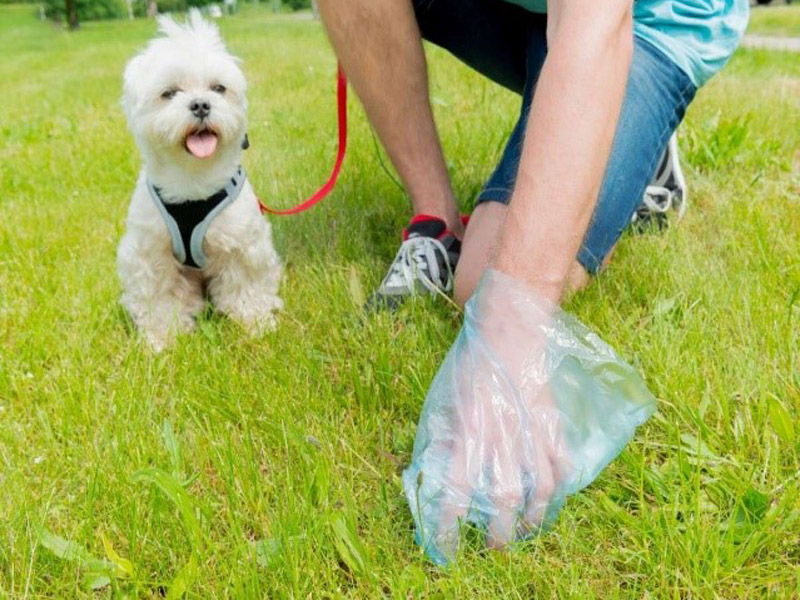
[{"x": 202, "y": 145}]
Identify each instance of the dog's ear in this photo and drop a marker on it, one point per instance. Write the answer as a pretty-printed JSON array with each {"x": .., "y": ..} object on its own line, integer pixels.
[
  {"x": 245, "y": 142},
  {"x": 130, "y": 91}
]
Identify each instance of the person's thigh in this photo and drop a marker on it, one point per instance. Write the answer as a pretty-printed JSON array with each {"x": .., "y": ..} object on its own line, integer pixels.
[
  {"x": 657, "y": 95},
  {"x": 491, "y": 36},
  {"x": 656, "y": 98}
]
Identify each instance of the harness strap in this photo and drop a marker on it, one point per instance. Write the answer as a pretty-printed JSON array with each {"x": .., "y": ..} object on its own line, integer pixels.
[{"x": 188, "y": 221}]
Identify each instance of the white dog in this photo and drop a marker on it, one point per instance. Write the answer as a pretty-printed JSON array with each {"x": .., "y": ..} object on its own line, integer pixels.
[{"x": 194, "y": 226}]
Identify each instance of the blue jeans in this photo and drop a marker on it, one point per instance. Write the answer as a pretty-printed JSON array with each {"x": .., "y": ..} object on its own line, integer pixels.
[{"x": 508, "y": 45}]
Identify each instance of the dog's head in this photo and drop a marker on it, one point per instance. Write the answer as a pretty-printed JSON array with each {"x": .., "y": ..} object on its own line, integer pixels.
[{"x": 185, "y": 96}]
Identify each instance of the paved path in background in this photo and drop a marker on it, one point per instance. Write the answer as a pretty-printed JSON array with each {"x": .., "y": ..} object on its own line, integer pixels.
[{"x": 791, "y": 44}]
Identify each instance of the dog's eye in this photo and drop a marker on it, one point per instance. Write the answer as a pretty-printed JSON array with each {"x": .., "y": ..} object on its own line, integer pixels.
[
  {"x": 169, "y": 94},
  {"x": 218, "y": 88}
]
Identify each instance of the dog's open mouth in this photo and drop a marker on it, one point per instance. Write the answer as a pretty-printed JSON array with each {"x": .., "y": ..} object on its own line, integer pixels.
[{"x": 201, "y": 143}]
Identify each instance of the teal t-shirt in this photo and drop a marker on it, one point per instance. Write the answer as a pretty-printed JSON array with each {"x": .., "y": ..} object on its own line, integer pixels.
[{"x": 698, "y": 35}]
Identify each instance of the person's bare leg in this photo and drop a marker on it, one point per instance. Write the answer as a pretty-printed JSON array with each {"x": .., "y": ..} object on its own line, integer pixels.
[
  {"x": 479, "y": 247},
  {"x": 380, "y": 48}
]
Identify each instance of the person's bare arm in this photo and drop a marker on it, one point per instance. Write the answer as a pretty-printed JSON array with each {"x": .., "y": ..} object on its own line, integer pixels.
[{"x": 570, "y": 130}]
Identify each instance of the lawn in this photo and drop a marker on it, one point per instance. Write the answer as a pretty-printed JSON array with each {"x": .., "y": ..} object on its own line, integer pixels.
[
  {"x": 249, "y": 468},
  {"x": 776, "y": 20}
]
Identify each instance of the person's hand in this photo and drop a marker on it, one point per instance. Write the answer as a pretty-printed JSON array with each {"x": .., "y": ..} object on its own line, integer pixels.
[{"x": 527, "y": 408}]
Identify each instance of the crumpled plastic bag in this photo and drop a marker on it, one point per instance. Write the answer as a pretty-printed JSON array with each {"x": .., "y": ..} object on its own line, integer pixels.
[{"x": 527, "y": 408}]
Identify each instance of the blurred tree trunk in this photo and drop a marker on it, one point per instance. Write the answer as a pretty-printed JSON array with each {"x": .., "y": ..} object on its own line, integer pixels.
[{"x": 72, "y": 14}]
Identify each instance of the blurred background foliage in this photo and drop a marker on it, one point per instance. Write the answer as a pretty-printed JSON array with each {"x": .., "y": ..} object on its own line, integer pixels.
[{"x": 92, "y": 10}]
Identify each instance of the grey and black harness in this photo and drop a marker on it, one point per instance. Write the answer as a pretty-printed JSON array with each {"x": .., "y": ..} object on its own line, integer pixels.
[{"x": 188, "y": 221}]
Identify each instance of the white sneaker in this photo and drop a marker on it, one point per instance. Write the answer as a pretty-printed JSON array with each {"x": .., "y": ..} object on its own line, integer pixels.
[
  {"x": 666, "y": 192},
  {"x": 424, "y": 264}
]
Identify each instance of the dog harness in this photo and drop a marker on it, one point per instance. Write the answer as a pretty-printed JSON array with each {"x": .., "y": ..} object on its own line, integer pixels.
[{"x": 188, "y": 221}]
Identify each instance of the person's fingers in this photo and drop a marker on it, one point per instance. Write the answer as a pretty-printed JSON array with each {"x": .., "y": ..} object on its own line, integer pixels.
[
  {"x": 502, "y": 528},
  {"x": 544, "y": 430},
  {"x": 507, "y": 472},
  {"x": 455, "y": 501},
  {"x": 508, "y": 502},
  {"x": 544, "y": 485},
  {"x": 557, "y": 447},
  {"x": 463, "y": 467}
]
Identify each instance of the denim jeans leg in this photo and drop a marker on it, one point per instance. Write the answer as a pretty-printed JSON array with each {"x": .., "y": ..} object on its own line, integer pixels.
[
  {"x": 656, "y": 97},
  {"x": 500, "y": 185}
]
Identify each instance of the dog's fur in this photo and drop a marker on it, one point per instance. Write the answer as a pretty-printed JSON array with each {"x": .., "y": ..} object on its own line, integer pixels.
[{"x": 243, "y": 270}]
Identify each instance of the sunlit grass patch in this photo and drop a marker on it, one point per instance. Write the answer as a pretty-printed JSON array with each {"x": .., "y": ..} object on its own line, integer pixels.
[{"x": 238, "y": 467}]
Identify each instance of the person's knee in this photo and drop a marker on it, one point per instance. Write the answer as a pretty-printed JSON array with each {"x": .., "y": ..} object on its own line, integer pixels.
[
  {"x": 578, "y": 278},
  {"x": 481, "y": 236},
  {"x": 468, "y": 275},
  {"x": 466, "y": 281},
  {"x": 467, "y": 278}
]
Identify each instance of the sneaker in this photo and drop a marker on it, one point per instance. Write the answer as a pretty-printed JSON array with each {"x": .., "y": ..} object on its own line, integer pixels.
[
  {"x": 666, "y": 192},
  {"x": 424, "y": 264}
]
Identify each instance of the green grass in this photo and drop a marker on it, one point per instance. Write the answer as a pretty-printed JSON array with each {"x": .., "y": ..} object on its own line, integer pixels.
[
  {"x": 233, "y": 467},
  {"x": 775, "y": 20}
]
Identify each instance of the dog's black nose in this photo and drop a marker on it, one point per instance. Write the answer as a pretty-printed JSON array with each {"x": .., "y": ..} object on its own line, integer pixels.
[{"x": 200, "y": 108}]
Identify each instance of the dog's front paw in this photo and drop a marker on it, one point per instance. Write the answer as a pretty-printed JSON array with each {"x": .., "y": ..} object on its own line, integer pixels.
[
  {"x": 158, "y": 342},
  {"x": 161, "y": 334},
  {"x": 257, "y": 318},
  {"x": 261, "y": 325}
]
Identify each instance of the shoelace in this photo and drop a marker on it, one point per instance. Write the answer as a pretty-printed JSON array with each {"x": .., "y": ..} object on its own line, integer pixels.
[
  {"x": 660, "y": 200},
  {"x": 414, "y": 254},
  {"x": 665, "y": 199}
]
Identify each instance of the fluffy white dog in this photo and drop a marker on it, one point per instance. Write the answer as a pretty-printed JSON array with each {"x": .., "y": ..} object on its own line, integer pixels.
[{"x": 194, "y": 226}]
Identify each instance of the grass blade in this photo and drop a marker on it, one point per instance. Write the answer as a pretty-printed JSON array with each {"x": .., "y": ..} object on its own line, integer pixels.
[
  {"x": 179, "y": 497},
  {"x": 183, "y": 580},
  {"x": 124, "y": 566},
  {"x": 99, "y": 572}
]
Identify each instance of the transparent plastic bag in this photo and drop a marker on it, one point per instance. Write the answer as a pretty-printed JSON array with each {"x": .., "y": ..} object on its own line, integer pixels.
[{"x": 527, "y": 408}]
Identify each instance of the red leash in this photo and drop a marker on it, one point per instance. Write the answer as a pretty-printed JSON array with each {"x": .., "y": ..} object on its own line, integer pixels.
[{"x": 341, "y": 96}]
